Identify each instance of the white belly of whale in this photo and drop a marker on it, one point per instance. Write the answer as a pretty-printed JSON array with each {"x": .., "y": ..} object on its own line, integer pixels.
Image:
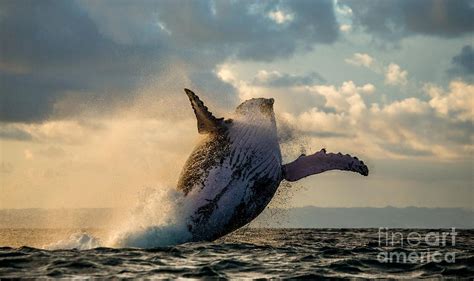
[{"x": 232, "y": 185}]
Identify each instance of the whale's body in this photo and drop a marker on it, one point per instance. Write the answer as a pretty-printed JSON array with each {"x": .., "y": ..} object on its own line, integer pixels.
[{"x": 233, "y": 173}]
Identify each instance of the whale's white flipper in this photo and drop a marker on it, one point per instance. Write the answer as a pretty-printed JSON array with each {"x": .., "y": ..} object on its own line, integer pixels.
[{"x": 320, "y": 162}]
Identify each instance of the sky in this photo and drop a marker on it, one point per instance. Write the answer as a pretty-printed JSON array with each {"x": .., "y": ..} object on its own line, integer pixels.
[{"x": 93, "y": 112}]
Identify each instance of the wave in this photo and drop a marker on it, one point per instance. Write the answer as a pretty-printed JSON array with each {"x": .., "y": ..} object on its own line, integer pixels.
[{"x": 249, "y": 253}]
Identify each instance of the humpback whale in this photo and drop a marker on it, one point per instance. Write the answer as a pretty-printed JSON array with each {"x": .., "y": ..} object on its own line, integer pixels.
[{"x": 233, "y": 173}]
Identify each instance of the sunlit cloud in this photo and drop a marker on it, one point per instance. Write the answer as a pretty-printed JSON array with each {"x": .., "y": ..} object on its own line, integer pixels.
[
  {"x": 457, "y": 102},
  {"x": 361, "y": 60},
  {"x": 345, "y": 27},
  {"x": 388, "y": 130},
  {"x": 395, "y": 75},
  {"x": 280, "y": 16}
]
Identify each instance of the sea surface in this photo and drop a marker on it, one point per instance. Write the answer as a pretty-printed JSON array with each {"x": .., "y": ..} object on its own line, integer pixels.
[{"x": 247, "y": 253}]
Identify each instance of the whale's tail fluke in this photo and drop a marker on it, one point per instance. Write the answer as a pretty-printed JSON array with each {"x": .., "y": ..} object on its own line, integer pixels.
[{"x": 320, "y": 162}]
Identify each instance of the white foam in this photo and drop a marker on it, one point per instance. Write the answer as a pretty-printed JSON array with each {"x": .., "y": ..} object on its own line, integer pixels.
[
  {"x": 80, "y": 241},
  {"x": 159, "y": 220}
]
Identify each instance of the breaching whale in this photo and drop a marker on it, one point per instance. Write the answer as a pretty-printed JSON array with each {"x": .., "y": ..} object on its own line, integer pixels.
[{"x": 233, "y": 173}]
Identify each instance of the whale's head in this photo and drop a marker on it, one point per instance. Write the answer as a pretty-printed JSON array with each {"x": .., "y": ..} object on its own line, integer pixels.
[{"x": 259, "y": 109}]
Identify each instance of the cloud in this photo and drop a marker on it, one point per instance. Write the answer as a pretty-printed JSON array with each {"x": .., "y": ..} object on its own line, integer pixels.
[
  {"x": 270, "y": 83},
  {"x": 280, "y": 17},
  {"x": 253, "y": 31},
  {"x": 368, "y": 88},
  {"x": 463, "y": 63},
  {"x": 395, "y": 75},
  {"x": 278, "y": 79},
  {"x": 346, "y": 98},
  {"x": 393, "y": 20},
  {"x": 339, "y": 117},
  {"x": 408, "y": 105},
  {"x": 345, "y": 27},
  {"x": 458, "y": 102},
  {"x": 359, "y": 59},
  {"x": 104, "y": 52},
  {"x": 70, "y": 132},
  {"x": 10, "y": 132},
  {"x": 62, "y": 50}
]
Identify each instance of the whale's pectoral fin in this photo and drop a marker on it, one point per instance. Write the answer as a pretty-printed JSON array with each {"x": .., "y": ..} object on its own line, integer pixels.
[
  {"x": 320, "y": 162},
  {"x": 206, "y": 122}
]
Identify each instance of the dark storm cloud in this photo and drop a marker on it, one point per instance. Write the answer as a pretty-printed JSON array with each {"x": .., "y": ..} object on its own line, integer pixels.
[
  {"x": 463, "y": 62},
  {"x": 244, "y": 29},
  {"x": 393, "y": 20},
  {"x": 26, "y": 97},
  {"x": 276, "y": 79},
  {"x": 99, "y": 51},
  {"x": 59, "y": 50},
  {"x": 49, "y": 32}
]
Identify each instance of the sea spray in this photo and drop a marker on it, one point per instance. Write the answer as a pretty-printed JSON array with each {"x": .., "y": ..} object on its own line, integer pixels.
[
  {"x": 159, "y": 219},
  {"x": 80, "y": 241}
]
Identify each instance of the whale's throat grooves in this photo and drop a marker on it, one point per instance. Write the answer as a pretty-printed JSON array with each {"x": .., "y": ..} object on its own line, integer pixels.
[{"x": 232, "y": 176}]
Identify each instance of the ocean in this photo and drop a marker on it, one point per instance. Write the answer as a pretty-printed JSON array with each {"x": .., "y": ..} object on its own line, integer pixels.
[{"x": 248, "y": 253}]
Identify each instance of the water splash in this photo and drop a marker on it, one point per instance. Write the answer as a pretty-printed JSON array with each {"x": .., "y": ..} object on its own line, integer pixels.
[
  {"x": 158, "y": 220},
  {"x": 80, "y": 241}
]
